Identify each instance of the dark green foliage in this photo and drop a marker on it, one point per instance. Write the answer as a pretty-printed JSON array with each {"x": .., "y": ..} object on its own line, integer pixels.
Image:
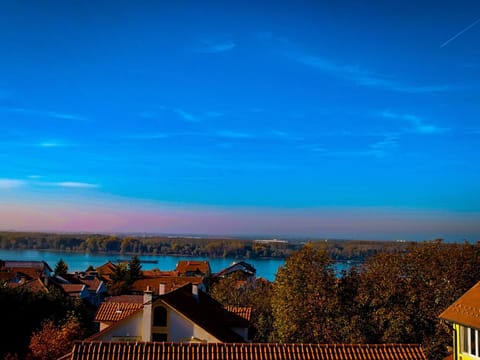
[
  {"x": 158, "y": 245},
  {"x": 22, "y": 313},
  {"x": 134, "y": 270},
  {"x": 61, "y": 268}
]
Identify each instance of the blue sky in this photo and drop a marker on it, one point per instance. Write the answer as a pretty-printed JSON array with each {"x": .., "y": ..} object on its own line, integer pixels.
[{"x": 330, "y": 119}]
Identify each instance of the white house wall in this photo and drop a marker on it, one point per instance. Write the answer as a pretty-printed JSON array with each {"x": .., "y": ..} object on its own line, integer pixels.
[
  {"x": 181, "y": 330},
  {"x": 130, "y": 327}
]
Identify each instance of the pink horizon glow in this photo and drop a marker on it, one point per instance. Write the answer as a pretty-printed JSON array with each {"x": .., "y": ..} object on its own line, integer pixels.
[{"x": 359, "y": 223}]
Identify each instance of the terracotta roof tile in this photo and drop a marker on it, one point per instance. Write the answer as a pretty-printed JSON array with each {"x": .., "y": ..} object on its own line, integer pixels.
[
  {"x": 116, "y": 311},
  {"x": 466, "y": 310},
  {"x": 72, "y": 289},
  {"x": 171, "y": 283},
  {"x": 35, "y": 285},
  {"x": 242, "y": 311},
  {"x": 185, "y": 267},
  {"x": 92, "y": 350},
  {"x": 132, "y": 299}
]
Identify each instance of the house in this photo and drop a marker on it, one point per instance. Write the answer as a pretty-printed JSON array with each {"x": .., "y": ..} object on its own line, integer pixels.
[
  {"x": 32, "y": 275},
  {"x": 106, "y": 270},
  {"x": 94, "y": 350},
  {"x": 77, "y": 291},
  {"x": 186, "y": 314},
  {"x": 464, "y": 316},
  {"x": 241, "y": 269},
  {"x": 116, "y": 308},
  {"x": 193, "y": 268},
  {"x": 164, "y": 284},
  {"x": 96, "y": 288}
]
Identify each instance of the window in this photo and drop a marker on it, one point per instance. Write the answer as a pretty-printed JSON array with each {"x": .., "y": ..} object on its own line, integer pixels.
[
  {"x": 159, "y": 337},
  {"x": 470, "y": 338},
  {"x": 160, "y": 316}
]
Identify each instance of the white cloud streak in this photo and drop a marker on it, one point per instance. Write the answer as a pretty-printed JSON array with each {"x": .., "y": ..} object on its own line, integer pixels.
[
  {"x": 363, "y": 77},
  {"x": 209, "y": 47},
  {"x": 418, "y": 125},
  {"x": 460, "y": 33},
  {"x": 43, "y": 113},
  {"x": 6, "y": 184},
  {"x": 74, "y": 184}
]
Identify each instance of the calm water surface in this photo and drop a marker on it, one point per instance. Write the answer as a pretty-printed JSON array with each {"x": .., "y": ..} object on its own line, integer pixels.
[{"x": 81, "y": 261}]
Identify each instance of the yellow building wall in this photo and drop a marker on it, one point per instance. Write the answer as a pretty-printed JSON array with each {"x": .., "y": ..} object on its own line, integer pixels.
[{"x": 458, "y": 345}]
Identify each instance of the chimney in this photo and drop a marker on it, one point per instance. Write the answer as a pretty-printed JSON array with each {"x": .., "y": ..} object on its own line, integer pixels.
[
  {"x": 147, "y": 315},
  {"x": 195, "y": 291},
  {"x": 161, "y": 289}
]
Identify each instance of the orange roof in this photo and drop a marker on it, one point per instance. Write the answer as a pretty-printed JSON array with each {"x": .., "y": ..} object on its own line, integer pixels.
[
  {"x": 106, "y": 270},
  {"x": 93, "y": 350},
  {"x": 466, "y": 310},
  {"x": 171, "y": 283},
  {"x": 116, "y": 311},
  {"x": 72, "y": 289},
  {"x": 242, "y": 311},
  {"x": 35, "y": 285},
  {"x": 193, "y": 267}
]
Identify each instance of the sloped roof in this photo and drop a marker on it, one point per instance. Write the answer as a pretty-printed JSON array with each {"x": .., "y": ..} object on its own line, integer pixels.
[
  {"x": 466, "y": 310},
  {"x": 171, "y": 283},
  {"x": 206, "y": 312},
  {"x": 106, "y": 270},
  {"x": 242, "y": 351},
  {"x": 40, "y": 265},
  {"x": 35, "y": 285},
  {"x": 73, "y": 290},
  {"x": 244, "y": 312},
  {"x": 237, "y": 266},
  {"x": 193, "y": 266},
  {"x": 132, "y": 299},
  {"x": 116, "y": 311}
]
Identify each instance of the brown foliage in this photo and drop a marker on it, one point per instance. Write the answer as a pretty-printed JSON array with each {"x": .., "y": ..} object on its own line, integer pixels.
[{"x": 53, "y": 341}]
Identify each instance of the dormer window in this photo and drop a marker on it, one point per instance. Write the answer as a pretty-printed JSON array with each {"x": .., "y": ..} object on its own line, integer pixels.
[
  {"x": 160, "y": 316},
  {"x": 470, "y": 341}
]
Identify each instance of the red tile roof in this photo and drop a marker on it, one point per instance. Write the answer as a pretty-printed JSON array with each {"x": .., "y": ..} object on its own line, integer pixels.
[
  {"x": 242, "y": 311},
  {"x": 186, "y": 267},
  {"x": 35, "y": 285},
  {"x": 243, "y": 351},
  {"x": 105, "y": 270},
  {"x": 116, "y": 311},
  {"x": 171, "y": 283},
  {"x": 132, "y": 299},
  {"x": 466, "y": 310},
  {"x": 73, "y": 290}
]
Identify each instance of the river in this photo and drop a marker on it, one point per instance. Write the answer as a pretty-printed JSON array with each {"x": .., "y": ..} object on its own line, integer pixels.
[{"x": 266, "y": 268}]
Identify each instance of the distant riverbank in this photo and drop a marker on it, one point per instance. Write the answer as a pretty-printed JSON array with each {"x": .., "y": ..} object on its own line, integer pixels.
[{"x": 76, "y": 261}]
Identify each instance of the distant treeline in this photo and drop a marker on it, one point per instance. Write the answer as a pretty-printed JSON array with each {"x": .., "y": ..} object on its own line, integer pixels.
[{"x": 339, "y": 250}]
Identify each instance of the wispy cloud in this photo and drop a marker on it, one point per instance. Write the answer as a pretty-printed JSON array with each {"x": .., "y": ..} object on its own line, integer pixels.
[
  {"x": 52, "y": 144},
  {"x": 44, "y": 113},
  {"x": 363, "y": 77},
  {"x": 186, "y": 115},
  {"x": 418, "y": 125},
  {"x": 210, "y": 47},
  {"x": 152, "y": 136},
  {"x": 74, "y": 184},
  {"x": 234, "y": 134},
  {"x": 11, "y": 183},
  {"x": 384, "y": 146},
  {"x": 460, "y": 33}
]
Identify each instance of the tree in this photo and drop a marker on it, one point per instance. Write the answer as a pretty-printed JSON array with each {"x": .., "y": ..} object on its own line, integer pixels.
[
  {"x": 303, "y": 300},
  {"x": 134, "y": 270},
  {"x": 401, "y": 295},
  {"x": 256, "y": 294},
  {"x": 52, "y": 341},
  {"x": 118, "y": 280},
  {"x": 61, "y": 268}
]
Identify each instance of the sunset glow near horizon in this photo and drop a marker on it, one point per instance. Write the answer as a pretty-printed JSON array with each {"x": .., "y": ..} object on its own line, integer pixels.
[{"x": 281, "y": 119}]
